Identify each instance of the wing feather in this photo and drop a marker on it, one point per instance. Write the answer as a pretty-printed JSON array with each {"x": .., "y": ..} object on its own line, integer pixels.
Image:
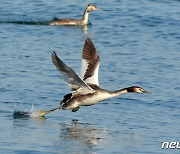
[
  {"x": 71, "y": 77},
  {"x": 90, "y": 63}
]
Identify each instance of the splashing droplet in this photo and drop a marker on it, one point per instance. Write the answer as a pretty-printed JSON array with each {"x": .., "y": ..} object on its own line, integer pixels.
[{"x": 21, "y": 112}]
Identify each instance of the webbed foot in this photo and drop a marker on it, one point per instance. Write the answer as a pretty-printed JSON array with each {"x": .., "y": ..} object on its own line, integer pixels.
[{"x": 75, "y": 109}]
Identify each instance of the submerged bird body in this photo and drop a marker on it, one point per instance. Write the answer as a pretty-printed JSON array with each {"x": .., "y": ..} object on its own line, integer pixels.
[
  {"x": 85, "y": 89},
  {"x": 73, "y": 22}
]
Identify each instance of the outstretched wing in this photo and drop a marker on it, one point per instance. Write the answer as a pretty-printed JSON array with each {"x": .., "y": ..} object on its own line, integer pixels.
[
  {"x": 77, "y": 85},
  {"x": 90, "y": 63}
]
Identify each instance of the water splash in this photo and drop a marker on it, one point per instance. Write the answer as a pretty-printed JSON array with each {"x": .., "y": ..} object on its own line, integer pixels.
[{"x": 21, "y": 112}]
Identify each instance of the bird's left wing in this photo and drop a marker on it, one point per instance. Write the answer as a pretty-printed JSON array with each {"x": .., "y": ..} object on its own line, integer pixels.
[{"x": 77, "y": 85}]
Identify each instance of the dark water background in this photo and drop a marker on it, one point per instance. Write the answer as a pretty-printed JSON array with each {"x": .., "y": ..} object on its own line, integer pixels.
[{"x": 138, "y": 43}]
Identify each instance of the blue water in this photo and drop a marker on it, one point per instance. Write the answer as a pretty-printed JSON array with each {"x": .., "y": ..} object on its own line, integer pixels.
[{"x": 138, "y": 43}]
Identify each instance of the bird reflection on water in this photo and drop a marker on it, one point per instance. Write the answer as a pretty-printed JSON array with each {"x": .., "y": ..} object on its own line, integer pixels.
[
  {"x": 80, "y": 133},
  {"x": 84, "y": 135},
  {"x": 67, "y": 137}
]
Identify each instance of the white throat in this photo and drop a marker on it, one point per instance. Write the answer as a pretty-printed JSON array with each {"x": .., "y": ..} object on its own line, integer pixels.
[{"x": 85, "y": 17}]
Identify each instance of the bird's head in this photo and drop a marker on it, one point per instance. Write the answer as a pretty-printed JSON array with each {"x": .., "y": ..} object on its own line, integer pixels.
[
  {"x": 137, "y": 89},
  {"x": 92, "y": 7}
]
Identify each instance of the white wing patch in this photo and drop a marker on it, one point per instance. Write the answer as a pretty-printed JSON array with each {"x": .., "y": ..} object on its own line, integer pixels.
[
  {"x": 84, "y": 66},
  {"x": 90, "y": 63},
  {"x": 92, "y": 79}
]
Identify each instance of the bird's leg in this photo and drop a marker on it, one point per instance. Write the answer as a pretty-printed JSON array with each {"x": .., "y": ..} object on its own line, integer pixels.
[
  {"x": 42, "y": 113},
  {"x": 75, "y": 109}
]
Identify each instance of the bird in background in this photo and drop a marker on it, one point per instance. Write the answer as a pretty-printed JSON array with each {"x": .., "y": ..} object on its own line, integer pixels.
[{"x": 73, "y": 22}]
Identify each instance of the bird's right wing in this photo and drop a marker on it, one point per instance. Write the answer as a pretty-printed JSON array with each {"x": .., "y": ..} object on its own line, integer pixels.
[
  {"x": 90, "y": 63},
  {"x": 77, "y": 85}
]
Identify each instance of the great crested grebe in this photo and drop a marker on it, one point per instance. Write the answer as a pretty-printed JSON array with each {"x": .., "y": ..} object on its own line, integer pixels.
[
  {"x": 85, "y": 89},
  {"x": 71, "y": 22}
]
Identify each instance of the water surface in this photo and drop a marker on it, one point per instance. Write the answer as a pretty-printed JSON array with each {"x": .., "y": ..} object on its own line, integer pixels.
[{"x": 138, "y": 43}]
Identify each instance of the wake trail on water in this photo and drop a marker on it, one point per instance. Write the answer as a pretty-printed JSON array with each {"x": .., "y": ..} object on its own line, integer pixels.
[{"x": 26, "y": 22}]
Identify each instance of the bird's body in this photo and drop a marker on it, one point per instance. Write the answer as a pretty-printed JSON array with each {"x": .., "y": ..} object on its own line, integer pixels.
[
  {"x": 66, "y": 22},
  {"x": 87, "y": 99},
  {"x": 74, "y": 22},
  {"x": 85, "y": 89}
]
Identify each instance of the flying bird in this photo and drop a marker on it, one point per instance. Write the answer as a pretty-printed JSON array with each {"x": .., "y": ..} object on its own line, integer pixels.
[{"x": 85, "y": 88}]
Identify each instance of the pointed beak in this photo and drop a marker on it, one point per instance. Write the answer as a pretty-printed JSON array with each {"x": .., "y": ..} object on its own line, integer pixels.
[
  {"x": 148, "y": 92},
  {"x": 97, "y": 8}
]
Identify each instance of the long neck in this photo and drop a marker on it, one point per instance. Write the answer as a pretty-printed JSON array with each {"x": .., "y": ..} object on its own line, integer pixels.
[
  {"x": 118, "y": 92},
  {"x": 104, "y": 94},
  {"x": 85, "y": 16}
]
